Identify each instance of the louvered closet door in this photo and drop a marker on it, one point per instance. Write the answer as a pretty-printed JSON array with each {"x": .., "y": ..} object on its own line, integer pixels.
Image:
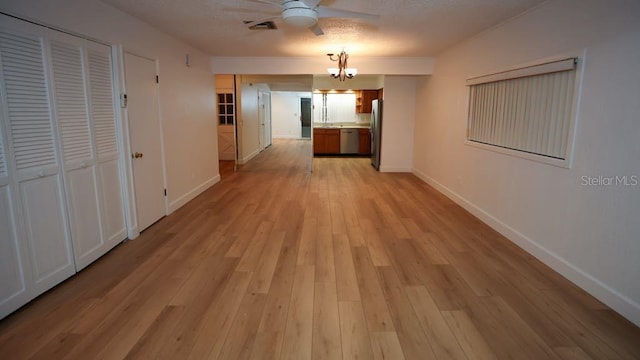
[
  {"x": 82, "y": 74},
  {"x": 33, "y": 160},
  {"x": 72, "y": 114},
  {"x": 12, "y": 278},
  {"x": 102, "y": 104}
]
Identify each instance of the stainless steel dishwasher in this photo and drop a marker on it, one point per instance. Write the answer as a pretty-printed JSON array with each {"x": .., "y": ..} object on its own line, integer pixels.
[{"x": 349, "y": 141}]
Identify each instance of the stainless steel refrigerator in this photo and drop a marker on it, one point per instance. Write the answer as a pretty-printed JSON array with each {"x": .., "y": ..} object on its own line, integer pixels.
[{"x": 376, "y": 133}]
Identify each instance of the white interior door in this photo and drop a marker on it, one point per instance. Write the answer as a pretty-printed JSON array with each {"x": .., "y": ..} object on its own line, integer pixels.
[
  {"x": 267, "y": 119},
  {"x": 83, "y": 89},
  {"x": 261, "y": 121},
  {"x": 146, "y": 136},
  {"x": 68, "y": 68},
  {"x": 33, "y": 160},
  {"x": 105, "y": 136},
  {"x": 13, "y": 280}
]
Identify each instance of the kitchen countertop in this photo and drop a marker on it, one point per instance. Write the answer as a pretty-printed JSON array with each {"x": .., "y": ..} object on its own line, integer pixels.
[{"x": 341, "y": 126}]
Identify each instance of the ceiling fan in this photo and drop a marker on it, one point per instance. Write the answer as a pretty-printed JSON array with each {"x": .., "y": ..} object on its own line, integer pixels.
[{"x": 305, "y": 13}]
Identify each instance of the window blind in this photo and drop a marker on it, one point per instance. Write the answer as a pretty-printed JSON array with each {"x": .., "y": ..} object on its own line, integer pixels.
[
  {"x": 528, "y": 109},
  {"x": 334, "y": 108}
]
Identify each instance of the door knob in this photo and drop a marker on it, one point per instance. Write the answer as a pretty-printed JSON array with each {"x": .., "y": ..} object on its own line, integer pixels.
[{"x": 136, "y": 155}]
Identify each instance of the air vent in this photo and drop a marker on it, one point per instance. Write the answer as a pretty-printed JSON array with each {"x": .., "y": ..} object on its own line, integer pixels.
[{"x": 267, "y": 25}]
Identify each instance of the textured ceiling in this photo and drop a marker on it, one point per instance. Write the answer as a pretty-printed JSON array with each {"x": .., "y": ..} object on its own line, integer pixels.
[{"x": 406, "y": 27}]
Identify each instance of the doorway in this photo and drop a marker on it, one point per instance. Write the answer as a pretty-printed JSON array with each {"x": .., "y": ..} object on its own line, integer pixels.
[
  {"x": 227, "y": 113},
  {"x": 305, "y": 117},
  {"x": 146, "y": 139}
]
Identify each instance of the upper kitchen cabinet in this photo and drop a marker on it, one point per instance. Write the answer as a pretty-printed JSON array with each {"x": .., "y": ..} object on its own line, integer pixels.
[{"x": 364, "y": 99}]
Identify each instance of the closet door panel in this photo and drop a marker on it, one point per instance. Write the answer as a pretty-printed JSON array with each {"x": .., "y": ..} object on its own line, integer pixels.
[
  {"x": 45, "y": 231},
  {"x": 113, "y": 206},
  {"x": 70, "y": 100},
  {"x": 102, "y": 102},
  {"x": 12, "y": 277},
  {"x": 86, "y": 229},
  {"x": 27, "y": 100}
]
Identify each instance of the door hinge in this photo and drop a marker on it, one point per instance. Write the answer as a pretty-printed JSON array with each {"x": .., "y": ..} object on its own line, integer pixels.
[
  {"x": 165, "y": 192},
  {"x": 123, "y": 101},
  {"x": 157, "y": 79}
]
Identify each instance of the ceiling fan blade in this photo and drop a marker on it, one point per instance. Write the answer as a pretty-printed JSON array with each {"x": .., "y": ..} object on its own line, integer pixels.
[
  {"x": 268, "y": 2},
  {"x": 254, "y": 23},
  {"x": 326, "y": 12},
  {"x": 312, "y": 3},
  {"x": 316, "y": 29},
  {"x": 252, "y": 11}
]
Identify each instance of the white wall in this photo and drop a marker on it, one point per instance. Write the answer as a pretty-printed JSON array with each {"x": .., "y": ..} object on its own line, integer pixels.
[
  {"x": 319, "y": 64},
  {"x": 224, "y": 83},
  {"x": 398, "y": 114},
  {"x": 285, "y": 114},
  {"x": 187, "y": 94},
  {"x": 590, "y": 234}
]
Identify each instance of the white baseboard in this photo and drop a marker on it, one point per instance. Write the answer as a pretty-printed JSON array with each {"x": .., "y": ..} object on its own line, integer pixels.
[
  {"x": 617, "y": 301},
  {"x": 179, "y": 202},
  {"x": 247, "y": 158},
  {"x": 394, "y": 169},
  {"x": 288, "y": 137}
]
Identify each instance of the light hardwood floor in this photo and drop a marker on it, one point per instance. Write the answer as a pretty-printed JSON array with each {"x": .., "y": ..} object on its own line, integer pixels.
[{"x": 346, "y": 263}]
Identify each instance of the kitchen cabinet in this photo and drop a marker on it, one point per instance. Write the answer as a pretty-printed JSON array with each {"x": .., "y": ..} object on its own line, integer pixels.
[
  {"x": 364, "y": 99},
  {"x": 326, "y": 141},
  {"x": 365, "y": 142}
]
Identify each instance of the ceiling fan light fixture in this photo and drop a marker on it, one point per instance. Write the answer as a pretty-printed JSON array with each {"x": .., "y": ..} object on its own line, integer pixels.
[{"x": 300, "y": 17}]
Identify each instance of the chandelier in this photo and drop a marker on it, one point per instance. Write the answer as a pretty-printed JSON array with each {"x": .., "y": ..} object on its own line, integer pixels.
[{"x": 342, "y": 72}]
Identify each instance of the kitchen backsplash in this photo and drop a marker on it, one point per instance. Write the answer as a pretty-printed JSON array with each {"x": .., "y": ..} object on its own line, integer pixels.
[{"x": 363, "y": 118}]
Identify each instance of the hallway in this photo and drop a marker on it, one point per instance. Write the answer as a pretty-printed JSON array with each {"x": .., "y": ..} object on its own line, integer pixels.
[{"x": 276, "y": 262}]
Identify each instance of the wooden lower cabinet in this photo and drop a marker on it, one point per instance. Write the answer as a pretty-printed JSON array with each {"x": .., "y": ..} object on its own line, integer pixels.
[
  {"x": 365, "y": 142},
  {"x": 326, "y": 141}
]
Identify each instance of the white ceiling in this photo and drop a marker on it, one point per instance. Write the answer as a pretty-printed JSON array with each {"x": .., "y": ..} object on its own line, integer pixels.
[{"x": 406, "y": 28}]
